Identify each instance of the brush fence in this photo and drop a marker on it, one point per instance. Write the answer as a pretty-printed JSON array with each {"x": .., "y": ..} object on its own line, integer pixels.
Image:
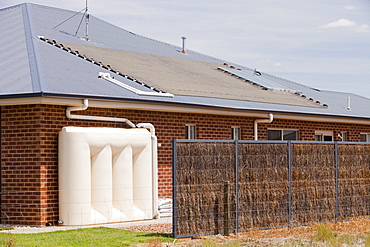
[{"x": 272, "y": 184}]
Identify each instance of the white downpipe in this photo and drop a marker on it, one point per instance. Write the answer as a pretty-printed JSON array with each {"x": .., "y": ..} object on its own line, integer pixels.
[
  {"x": 154, "y": 165},
  {"x": 269, "y": 120},
  {"x": 85, "y": 117}
]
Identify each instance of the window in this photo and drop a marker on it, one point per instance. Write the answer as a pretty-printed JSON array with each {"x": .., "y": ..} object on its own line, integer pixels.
[
  {"x": 364, "y": 137},
  {"x": 284, "y": 135},
  {"x": 343, "y": 136},
  {"x": 326, "y": 136},
  {"x": 235, "y": 133},
  {"x": 190, "y": 132}
]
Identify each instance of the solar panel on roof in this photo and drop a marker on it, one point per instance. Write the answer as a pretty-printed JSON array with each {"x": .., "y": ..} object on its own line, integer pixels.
[{"x": 257, "y": 78}]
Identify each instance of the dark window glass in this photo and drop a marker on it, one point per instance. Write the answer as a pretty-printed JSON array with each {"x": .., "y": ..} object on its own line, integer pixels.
[
  {"x": 190, "y": 132},
  {"x": 290, "y": 135},
  {"x": 363, "y": 137},
  {"x": 328, "y": 138},
  {"x": 274, "y": 135}
]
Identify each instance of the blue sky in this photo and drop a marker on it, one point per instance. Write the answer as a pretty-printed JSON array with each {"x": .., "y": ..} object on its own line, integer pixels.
[{"x": 321, "y": 43}]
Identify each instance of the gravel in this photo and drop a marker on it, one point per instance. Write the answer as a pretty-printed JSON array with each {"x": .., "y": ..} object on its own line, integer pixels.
[{"x": 154, "y": 228}]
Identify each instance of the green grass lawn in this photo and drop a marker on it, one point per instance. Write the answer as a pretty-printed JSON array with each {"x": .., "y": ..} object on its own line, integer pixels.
[{"x": 99, "y": 236}]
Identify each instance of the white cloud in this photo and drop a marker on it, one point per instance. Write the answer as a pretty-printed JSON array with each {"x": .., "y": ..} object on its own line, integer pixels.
[
  {"x": 363, "y": 29},
  {"x": 350, "y": 7},
  {"x": 339, "y": 23},
  {"x": 277, "y": 65}
]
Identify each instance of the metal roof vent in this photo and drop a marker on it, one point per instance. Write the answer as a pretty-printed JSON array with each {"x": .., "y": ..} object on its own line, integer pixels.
[
  {"x": 183, "y": 45},
  {"x": 348, "y": 103}
]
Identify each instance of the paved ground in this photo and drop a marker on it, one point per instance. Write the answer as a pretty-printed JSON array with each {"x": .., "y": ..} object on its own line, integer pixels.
[{"x": 29, "y": 229}]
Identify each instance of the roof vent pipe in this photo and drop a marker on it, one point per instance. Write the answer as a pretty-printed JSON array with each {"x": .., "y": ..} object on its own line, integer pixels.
[
  {"x": 183, "y": 45},
  {"x": 271, "y": 118},
  {"x": 86, "y": 117},
  {"x": 349, "y": 103}
]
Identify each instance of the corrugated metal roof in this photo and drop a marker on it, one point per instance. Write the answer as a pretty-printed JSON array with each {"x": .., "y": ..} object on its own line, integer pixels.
[
  {"x": 14, "y": 60},
  {"x": 29, "y": 65}
]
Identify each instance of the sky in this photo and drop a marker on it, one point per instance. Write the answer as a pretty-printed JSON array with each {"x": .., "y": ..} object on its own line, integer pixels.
[{"x": 324, "y": 44}]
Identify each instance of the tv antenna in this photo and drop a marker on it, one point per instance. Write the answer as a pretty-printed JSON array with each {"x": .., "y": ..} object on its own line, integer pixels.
[{"x": 85, "y": 15}]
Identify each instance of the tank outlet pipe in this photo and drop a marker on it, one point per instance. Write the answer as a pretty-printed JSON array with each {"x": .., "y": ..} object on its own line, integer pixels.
[
  {"x": 269, "y": 120},
  {"x": 86, "y": 117}
]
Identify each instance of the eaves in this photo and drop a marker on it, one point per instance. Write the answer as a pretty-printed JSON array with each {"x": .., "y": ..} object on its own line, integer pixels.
[{"x": 151, "y": 105}]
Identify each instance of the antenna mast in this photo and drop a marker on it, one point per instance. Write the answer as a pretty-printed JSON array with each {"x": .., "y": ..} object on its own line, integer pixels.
[
  {"x": 87, "y": 22},
  {"x": 87, "y": 18}
]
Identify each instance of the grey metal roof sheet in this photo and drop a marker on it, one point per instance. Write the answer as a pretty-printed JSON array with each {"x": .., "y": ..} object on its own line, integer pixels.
[
  {"x": 29, "y": 65},
  {"x": 14, "y": 60},
  {"x": 101, "y": 34}
]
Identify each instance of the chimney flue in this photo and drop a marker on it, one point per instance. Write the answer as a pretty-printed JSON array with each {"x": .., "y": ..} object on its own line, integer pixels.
[{"x": 183, "y": 45}]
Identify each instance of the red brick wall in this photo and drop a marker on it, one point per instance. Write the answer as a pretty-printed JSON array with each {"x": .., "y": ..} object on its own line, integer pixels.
[{"x": 29, "y": 150}]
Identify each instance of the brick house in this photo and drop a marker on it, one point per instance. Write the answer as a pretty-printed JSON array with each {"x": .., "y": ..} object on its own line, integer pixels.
[{"x": 47, "y": 67}]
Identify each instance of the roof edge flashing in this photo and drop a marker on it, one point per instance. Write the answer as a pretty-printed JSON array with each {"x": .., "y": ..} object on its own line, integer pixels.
[{"x": 32, "y": 49}]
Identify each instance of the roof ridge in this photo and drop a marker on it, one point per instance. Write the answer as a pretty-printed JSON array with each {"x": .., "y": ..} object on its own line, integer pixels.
[{"x": 33, "y": 54}]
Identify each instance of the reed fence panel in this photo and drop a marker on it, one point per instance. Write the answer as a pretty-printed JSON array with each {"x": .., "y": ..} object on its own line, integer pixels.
[{"x": 272, "y": 184}]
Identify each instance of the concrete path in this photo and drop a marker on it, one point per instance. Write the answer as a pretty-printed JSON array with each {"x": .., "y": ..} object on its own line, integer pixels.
[{"x": 31, "y": 229}]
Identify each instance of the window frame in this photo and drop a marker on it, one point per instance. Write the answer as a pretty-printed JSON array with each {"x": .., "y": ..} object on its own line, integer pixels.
[
  {"x": 367, "y": 136},
  {"x": 282, "y": 134},
  {"x": 235, "y": 133},
  {"x": 190, "y": 131},
  {"x": 343, "y": 136},
  {"x": 321, "y": 134}
]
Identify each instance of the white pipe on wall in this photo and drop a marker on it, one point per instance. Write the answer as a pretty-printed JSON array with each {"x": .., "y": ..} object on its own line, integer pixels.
[
  {"x": 147, "y": 126},
  {"x": 85, "y": 117},
  {"x": 154, "y": 164},
  {"x": 269, "y": 120}
]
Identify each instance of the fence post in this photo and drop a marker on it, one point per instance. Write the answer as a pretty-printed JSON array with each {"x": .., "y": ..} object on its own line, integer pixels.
[
  {"x": 174, "y": 194},
  {"x": 236, "y": 186},
  {"x": 336, "y": 157},
  {"x": 290, "y": 214},
  {"x": 226, "y": 208}
]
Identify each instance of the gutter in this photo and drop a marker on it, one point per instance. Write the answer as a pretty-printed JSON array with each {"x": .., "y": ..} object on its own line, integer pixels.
[{"x": 153, "y": 105}]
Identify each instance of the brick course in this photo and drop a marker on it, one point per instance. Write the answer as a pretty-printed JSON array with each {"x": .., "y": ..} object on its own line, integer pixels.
[{"x": 29, "y": 149}]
